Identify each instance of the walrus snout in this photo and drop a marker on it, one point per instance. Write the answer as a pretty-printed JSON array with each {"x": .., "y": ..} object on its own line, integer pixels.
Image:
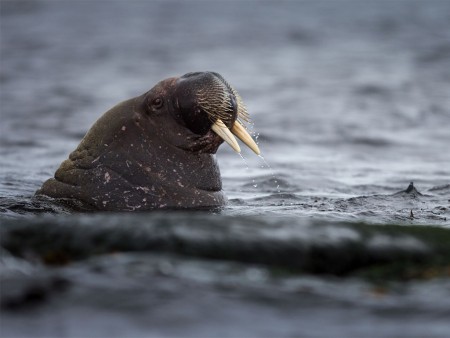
[
  {"x": 202, "y": 98},
  {"x": 206, "y": 101}
]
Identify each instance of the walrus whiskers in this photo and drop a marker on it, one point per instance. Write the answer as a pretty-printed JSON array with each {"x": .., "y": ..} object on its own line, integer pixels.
[
  {"x": 215, "y": 101},
  {"x": 242, "y": 114}
]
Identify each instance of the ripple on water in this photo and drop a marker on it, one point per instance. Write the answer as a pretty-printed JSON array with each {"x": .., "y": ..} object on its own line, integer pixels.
[
  {"x": 445, "y": 188},
  {"x": 406, "y": 207},
  {"x": 271, "y": 184}
]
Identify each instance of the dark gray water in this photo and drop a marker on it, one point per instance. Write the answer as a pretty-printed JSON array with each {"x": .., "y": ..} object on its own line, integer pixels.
[{"x": 350, "y": 102}]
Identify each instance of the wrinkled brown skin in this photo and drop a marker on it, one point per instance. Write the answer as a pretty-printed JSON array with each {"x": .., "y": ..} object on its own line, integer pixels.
[{"x": 139, "y": 156}]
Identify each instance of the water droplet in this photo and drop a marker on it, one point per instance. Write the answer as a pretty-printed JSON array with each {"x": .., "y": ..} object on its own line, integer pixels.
[
  {"x": 245, "y": 161},
  {"x": 271, "y": 172},
  {"x": 256, "y": 135}
]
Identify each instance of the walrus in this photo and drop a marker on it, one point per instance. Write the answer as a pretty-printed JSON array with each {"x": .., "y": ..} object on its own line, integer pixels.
[{"x": 156, "y": 150}]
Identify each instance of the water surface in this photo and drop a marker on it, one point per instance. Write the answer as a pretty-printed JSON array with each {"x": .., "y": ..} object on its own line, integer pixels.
[{"x": 350, "y": 103}]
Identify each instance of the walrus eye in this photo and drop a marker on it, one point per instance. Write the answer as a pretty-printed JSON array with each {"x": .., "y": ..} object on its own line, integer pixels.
[{"x": 157, "y": 103}]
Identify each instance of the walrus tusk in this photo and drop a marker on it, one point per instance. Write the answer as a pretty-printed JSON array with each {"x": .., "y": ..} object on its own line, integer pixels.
[
  {"x": 221, "y": 129},
  {"x": 239, "y": 130}
]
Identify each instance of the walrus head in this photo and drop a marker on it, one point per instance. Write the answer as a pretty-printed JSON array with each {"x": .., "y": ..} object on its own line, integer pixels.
[
  {"x": 156, "y": 150},
  {"x": 205, "y": 105}
]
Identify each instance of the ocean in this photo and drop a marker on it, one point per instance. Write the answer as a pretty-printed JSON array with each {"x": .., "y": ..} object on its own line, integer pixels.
[{"x": 321, "y": 237}]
